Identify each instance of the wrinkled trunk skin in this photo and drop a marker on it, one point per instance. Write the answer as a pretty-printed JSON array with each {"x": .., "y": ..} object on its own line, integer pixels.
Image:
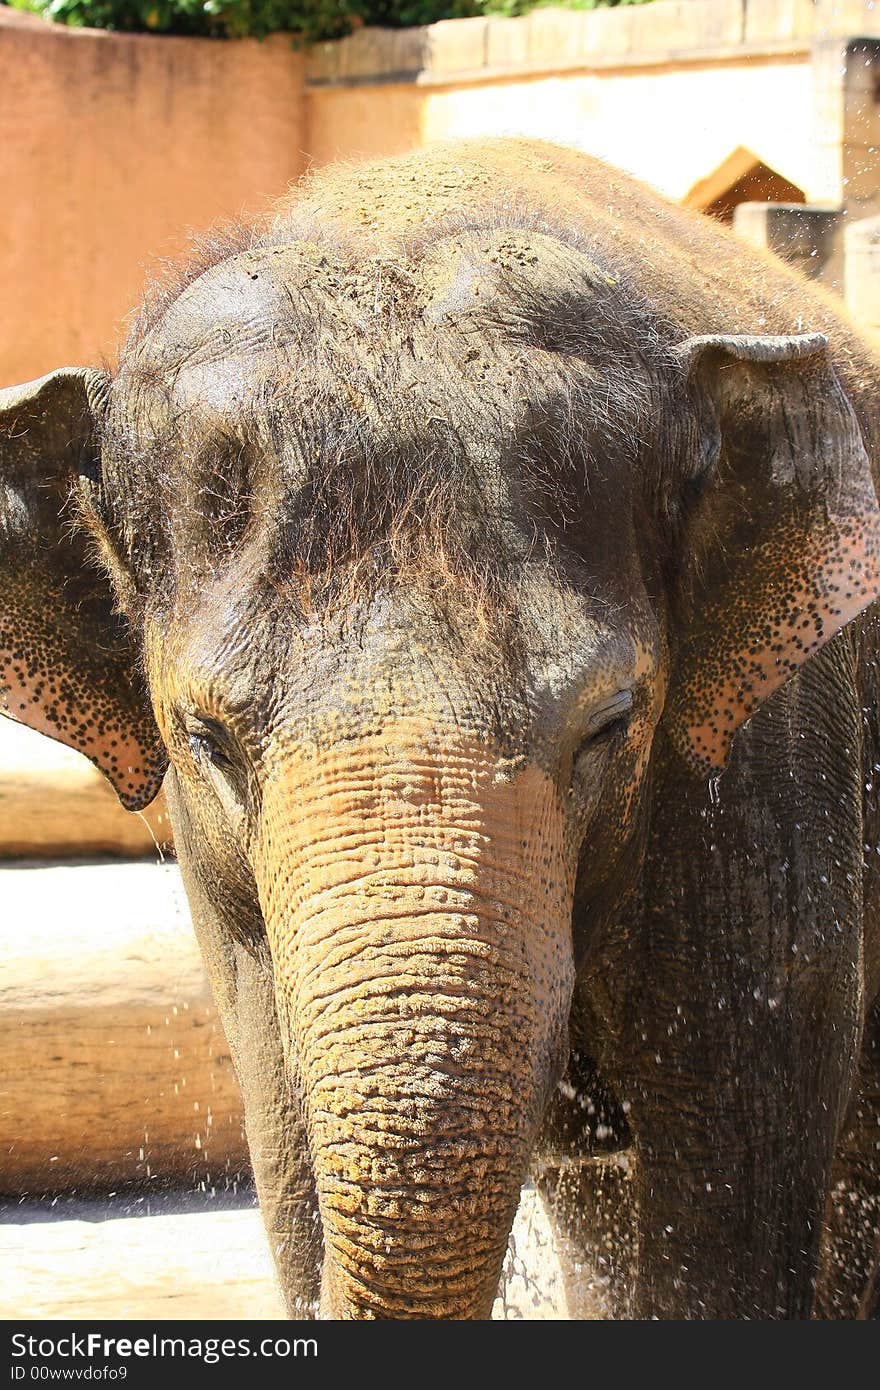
[{"x": 418, "y": 916}]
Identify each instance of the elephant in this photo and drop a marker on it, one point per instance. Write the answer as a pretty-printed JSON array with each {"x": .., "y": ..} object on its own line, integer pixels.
[{"x": 485, "y": 554}]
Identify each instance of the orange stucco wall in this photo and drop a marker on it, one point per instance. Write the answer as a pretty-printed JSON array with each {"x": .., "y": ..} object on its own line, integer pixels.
[{"x": 111, "y": 146}]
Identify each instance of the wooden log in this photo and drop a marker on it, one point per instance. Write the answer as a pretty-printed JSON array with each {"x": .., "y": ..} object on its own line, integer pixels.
[
  {"x": 54, "y": 803},
  {"x": 113, "y": 1064}
]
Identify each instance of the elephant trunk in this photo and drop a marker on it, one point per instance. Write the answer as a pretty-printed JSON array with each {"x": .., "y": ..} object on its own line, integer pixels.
[
  {"x": 419, "y": 1150},
  {"x": 419, "y": 925}
]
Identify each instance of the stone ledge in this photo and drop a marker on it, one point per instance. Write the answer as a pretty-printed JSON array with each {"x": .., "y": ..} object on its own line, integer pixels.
[
  {"x": 553, "y": 40},
  {"x": 93, "y": 1264},
  {"x": 176, "y": 1259},
  {"x": 669, "y": 57}
]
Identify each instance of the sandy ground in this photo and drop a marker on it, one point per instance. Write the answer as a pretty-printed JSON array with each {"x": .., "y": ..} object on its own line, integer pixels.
[{"x": 171, "y": 1256}]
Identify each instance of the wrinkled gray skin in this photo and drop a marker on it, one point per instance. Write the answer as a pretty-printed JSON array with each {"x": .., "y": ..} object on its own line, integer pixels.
[{"x": 456, "y": 551}]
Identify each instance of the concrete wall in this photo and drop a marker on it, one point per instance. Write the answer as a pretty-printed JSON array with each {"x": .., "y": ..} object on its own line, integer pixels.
[
  {"x": 111, "y": 147},
  {"x": 665, "y": 91},
  {"x": 764, "y": 106}
]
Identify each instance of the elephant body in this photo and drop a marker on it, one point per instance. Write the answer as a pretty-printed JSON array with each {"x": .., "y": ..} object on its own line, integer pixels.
[{"x": 487, "y": 554}]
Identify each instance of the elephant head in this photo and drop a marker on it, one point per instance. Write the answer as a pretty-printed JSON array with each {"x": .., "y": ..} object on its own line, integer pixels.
[{"x": 403, "y": 563}]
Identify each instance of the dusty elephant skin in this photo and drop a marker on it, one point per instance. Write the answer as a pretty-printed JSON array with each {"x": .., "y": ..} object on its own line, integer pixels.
[{"x": 490, "y": 552}]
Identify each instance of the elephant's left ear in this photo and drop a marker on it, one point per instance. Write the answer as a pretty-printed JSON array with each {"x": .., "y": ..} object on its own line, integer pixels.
[
  {"x": 68, "y": 661},
  {"x": 783, "y": 546}
]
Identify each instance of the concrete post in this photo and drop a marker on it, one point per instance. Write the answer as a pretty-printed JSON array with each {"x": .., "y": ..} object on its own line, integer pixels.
[
  {"x": 801, "y": 234},
  {"x": 862, "y": 259}
]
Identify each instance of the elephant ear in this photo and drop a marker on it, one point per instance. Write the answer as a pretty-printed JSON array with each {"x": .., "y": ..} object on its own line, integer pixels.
[
  {"x": 68, "y": 662},
  {"x": 784, "y": 543}
]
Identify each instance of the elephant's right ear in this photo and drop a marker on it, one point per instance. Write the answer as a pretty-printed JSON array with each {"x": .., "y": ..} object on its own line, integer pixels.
[
  {"x": 69, "y": 665},
  {"x": 783, "y": 543}
]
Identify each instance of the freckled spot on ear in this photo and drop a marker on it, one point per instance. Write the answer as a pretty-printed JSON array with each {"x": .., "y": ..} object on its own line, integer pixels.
[
  {"x": 797, "y": 591},
  {"x": 74, "y": 705}
]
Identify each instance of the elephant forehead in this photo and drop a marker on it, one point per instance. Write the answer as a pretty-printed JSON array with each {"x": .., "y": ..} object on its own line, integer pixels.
[
  {"x": 466, "y": 273},
  {"x": 300, "y": 291},
  {"x": 245, "y": 302},
  {"x": 272, "y": 296}
]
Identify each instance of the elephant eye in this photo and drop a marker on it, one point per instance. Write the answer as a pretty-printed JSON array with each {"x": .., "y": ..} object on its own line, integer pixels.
[
  {"x": 205, "y": 747},
  {"x": 215, "y": 755},
  {"x": 607, "y": 721}
]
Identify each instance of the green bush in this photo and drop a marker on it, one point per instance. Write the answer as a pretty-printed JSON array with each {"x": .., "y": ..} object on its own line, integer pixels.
[{"x": 312, "y": 19}]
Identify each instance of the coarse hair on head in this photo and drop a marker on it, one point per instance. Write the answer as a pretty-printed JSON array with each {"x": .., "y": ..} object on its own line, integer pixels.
[{"x": 388, "y": 444}]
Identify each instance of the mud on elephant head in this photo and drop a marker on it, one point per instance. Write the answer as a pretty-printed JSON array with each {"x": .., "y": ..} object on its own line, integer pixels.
[{"x": 401, "y": 538}]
